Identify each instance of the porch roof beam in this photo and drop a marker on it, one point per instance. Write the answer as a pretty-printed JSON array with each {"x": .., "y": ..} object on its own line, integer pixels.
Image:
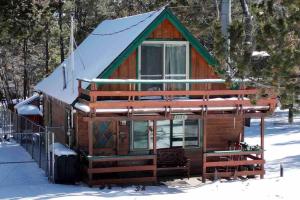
[
  {"x": 159, "y": 81},
  {"x": 162, "y": 117}
]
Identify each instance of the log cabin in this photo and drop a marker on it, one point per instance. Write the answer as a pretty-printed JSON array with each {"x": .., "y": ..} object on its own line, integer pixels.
[{"x": 144, "y": 99}]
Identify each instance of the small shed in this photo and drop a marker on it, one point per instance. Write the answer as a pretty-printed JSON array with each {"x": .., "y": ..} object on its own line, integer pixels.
[{"x": 30, "y": 108}]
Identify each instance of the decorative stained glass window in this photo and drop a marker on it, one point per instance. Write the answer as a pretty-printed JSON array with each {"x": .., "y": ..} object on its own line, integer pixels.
[{"x": 103, "y": 133}]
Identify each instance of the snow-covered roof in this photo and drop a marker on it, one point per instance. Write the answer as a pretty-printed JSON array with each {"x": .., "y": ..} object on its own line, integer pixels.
[
  {"x": 27, "y": 101},
  {"x": 95, "y": 54},
  {"x": 28, "y": 109}
]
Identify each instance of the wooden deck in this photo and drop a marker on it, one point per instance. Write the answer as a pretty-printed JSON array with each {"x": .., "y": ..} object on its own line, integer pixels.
[
  {"x": 232, "y": 164},
  {"x": 119, "y": 167}
]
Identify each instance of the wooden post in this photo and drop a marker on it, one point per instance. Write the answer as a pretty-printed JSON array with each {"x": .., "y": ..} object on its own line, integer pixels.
[
  {"x": 262, "y": 127},
  {"x": 204, "y": 151},
  {"x": 243, "y": 130},
  {"x": 117, "y": 136},
  {"x": 154, "y": 137},
  {"x": 154, "y": 149},
  {"x": 90, "y": 135}
]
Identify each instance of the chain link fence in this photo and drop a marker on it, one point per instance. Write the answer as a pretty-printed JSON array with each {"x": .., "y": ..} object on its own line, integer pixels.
[{"x": 34, "y": 138}]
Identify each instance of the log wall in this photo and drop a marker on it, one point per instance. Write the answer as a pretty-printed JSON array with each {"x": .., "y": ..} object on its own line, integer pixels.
[{"x": 57, "y": 115}]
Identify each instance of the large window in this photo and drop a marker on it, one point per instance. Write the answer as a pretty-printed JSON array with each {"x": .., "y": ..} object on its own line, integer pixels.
[
  {"x": 169, "y": 133},
  {"x": 140, "y": 135},
  {"x": 164, "y": 60}
]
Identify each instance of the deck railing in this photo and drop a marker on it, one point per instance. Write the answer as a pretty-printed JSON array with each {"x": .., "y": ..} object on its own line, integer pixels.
[
  {"x": 233, "y": 163},
  {"x": 119, "y": 168},
  {"x": 169, "y": 99}
]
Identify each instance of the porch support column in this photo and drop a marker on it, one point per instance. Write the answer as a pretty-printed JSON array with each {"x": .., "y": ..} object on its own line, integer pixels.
[
  {"x": 204, "y": 150},
  {"x": 262, "y": 128},
  {"x": 154, "y": 149},
  {"x": 90, "y": 136},
  {"x": 154, "y": 137},
  {"x": 117, "y": 136}
]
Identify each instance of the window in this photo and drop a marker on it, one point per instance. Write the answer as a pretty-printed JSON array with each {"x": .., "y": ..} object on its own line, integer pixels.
[
  {"x": 140, "y": 135},
  {"x": 152, "y": 65},
  {"x": 177, "y": 133},
  {"x": 169, "y": 133},
  {"x": 163, "y": 132},
  {"x": 164, "y": 60},
  {"x": 175, "y": 67},
  {"x": 104, "y": 134},
  {"x": 191, "y": 137}
]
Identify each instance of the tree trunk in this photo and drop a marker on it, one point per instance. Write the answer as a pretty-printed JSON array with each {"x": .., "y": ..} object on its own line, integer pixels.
[
  {"x": 291, "y": 114},
  {"x": 248, "y": 23},
  {"x": 61, "y": 39},
  {"x": 225, "y": 24},
  {"x": 5, "y": 87},
  {"x": 47, "y": 48},
  {"x": 217, "y": 9},
  {"x": 25, "y": 73}
]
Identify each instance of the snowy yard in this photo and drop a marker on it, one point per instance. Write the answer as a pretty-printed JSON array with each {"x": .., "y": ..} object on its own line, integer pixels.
[{"x": 282, "y": 144}]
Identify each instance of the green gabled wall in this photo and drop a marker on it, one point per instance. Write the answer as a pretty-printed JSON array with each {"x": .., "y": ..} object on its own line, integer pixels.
[{"x": 166, "y": 14}]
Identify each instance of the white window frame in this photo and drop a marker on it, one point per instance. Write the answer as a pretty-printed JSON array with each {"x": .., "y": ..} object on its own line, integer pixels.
[
  {"x": 132, "y": 148},
  {"x": 164, "y": 43},
  {"x": 199, "y": 133}
]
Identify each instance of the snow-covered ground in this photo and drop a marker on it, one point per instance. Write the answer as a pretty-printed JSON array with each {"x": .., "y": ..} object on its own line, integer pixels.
[{"x": 282, "y": 144}]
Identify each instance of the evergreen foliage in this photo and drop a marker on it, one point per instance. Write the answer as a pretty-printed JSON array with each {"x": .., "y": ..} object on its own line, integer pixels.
[{"x": 34, "y": 37}]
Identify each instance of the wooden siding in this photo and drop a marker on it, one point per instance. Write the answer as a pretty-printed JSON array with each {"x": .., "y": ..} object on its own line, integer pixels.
[
  {"x": 57, "y": 115},
  {"x": 81, "y": 133},
  {"x": 127, "y": 70},
  {"x": 124, "y": 141},
  {"x": 201, "y": 70},
  {"x": 222, "y": 131},
  {"x": 166, "y": 30}
]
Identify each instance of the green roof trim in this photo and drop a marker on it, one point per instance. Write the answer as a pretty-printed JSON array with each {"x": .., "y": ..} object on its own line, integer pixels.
[{"x": 165, "y": 14}]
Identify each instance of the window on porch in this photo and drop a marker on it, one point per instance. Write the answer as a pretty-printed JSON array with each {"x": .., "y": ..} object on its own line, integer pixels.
[
  {"x": 164, "y": 60},
  {"x": 170, "y": 133}
]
